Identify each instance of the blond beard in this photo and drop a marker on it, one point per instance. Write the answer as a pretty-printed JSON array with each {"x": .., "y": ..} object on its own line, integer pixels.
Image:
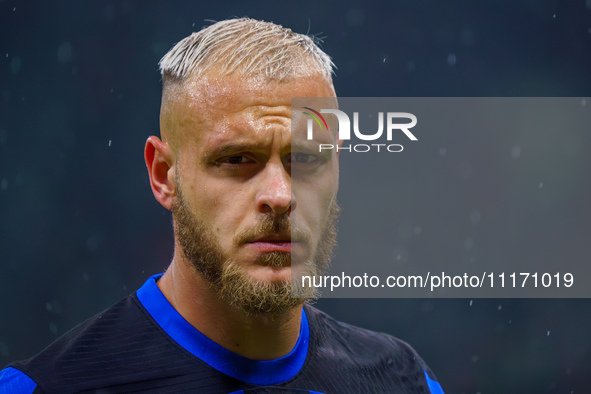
[{"x": 231, "y": 280}]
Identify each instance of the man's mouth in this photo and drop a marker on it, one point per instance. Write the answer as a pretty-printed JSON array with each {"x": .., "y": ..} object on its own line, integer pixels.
[{"x": 273, "y": 243}]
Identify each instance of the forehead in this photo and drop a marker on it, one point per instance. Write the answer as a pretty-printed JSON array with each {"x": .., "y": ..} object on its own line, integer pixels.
[
  {"x": 231, "y": 105},
  {"x": 228, "y": 94}
]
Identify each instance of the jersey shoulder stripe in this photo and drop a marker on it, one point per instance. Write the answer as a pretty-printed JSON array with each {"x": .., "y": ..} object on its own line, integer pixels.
[
  {"x": 13, "y": 381},
  {"x": 434, "y": 385}
]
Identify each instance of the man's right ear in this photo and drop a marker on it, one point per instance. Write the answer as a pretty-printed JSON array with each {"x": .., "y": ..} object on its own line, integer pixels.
[{"x": 159, "y": 161}]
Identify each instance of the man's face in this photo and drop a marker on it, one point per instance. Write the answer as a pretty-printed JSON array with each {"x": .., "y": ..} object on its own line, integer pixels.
[{"x": 237, "y": 217}]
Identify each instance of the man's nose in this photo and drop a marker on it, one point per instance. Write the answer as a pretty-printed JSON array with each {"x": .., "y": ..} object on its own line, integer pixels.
[{"x": 274, "y": 194}]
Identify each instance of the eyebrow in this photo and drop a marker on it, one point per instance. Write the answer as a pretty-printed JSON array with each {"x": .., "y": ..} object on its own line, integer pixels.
[
  {"x": 310, "y": 146},
  {"x": 237, "y": 147}
]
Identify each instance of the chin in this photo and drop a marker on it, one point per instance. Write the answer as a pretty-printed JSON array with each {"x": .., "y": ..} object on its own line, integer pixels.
[{"x": 270, "y": 274}]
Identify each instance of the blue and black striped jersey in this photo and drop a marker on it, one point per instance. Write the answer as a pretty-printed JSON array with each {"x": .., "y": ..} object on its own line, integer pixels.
[{"x": 142, "y": 344}]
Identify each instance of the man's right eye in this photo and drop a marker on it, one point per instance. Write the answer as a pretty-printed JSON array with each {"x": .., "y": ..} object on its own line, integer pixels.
[{"x": 238, "y": 159}]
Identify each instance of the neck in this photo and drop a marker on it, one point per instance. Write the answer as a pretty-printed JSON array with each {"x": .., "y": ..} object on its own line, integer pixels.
[{"x": 258, "y": 337}]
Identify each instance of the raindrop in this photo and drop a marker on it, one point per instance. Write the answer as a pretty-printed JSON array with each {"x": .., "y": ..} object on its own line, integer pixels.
[
  {"x": 583, "y": 103},
  {"x": 442, "y": 151},
  {"x": 384, "y": 61},
  {"x": 471, "y": 302},
  {"x": 554, "y": 16},
  {"x": 15, "y": 64},
  {"x": 64, "y": 52},
  {"x": 516, "y": 152},
  {"x": 53, "y": 306},
  {"x": 400, "y": 255},
  {"x": 92, "y": 243},
  {"x": 109, "y": 142},
  {"x": 499, "y": 307},
  {"x": 451, "y": 59},
  {"x": 14, "y": 9},
  {"x": 548, "y": 333},
  {"x": 467, "y": 37},
  {"x": 541, "y": 185},
  {"x": 468, "y": 243}
]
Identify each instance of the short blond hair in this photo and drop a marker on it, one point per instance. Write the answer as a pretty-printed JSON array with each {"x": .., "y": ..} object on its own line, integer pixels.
[{"x": 247, "y": 46}]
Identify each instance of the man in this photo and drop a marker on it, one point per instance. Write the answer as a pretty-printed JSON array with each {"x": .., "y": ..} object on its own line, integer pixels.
[{"x": 222, "y": 318}]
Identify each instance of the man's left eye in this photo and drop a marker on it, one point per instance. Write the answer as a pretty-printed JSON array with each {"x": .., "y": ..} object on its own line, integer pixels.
[{"x": 302, "y": 158}]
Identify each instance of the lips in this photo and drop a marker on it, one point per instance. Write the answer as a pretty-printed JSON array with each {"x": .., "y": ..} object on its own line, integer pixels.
[
  {"x": 273, "y": 243},
  {"x": 273, "y": 246}
]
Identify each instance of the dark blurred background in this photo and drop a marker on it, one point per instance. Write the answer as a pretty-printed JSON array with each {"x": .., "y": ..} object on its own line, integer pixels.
[{"x": 80, "y": 93}]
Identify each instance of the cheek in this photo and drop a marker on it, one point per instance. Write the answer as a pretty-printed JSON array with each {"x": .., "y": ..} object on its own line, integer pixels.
[
  {"x": 313, "y": 204},
  {"x": 326, "y": 200},
  {"x": 225, "y": 210},
  {"x": 329, "y": 185}
]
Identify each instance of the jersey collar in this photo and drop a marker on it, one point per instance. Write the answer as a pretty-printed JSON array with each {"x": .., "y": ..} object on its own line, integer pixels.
[{"x": 244, "y": 369}]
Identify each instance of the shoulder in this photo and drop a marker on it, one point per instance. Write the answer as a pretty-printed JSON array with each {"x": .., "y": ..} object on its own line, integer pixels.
[
  {"x": 108, "y": 349},
  {"x": 361, "y": 353},
  {"x": 357, "y": 341},
  {"x": 88, "y": 344}
]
